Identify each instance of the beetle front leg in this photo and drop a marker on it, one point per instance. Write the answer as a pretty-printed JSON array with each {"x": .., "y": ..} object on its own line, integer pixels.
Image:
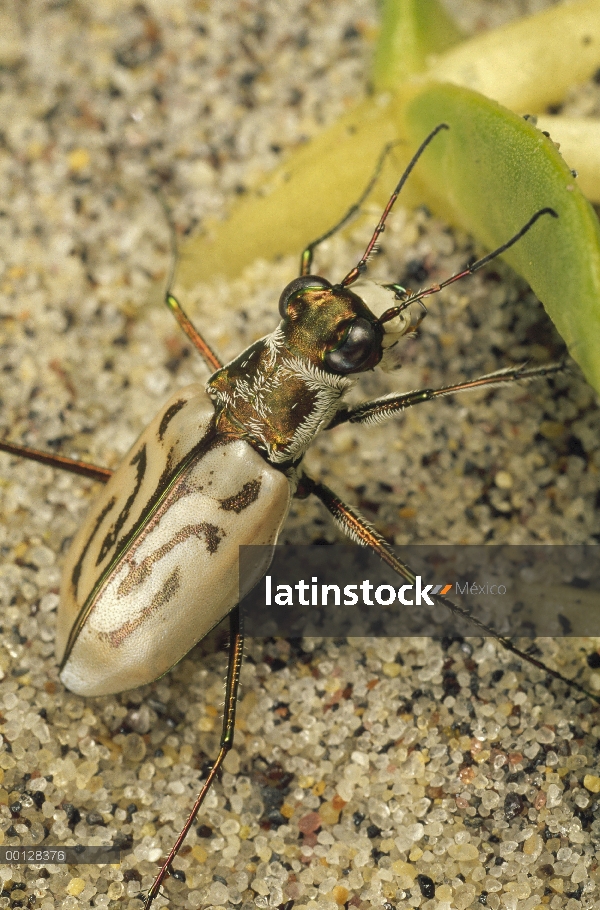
[
  {"x": 173, "y": 304},
  {"x": 236, "y": 647},
  {"x": 192, "y": 333},
  {"x": 360, "y": 531},
  {"x": 84, "y": 468},
  {"x": 391, "y": 405}
]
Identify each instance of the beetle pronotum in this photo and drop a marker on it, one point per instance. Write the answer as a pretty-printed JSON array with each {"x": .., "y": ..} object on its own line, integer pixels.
[{"x": 158, "y": 519}]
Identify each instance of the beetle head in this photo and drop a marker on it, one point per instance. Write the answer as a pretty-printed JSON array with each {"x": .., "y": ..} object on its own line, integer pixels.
[{"x": 330, "y": 325}]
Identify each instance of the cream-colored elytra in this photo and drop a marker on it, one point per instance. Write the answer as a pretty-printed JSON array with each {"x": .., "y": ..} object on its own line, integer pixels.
[{"x": 148, "y": 576}]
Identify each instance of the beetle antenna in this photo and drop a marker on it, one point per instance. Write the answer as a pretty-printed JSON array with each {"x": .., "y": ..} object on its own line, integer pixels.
[
  {"x": 357, "y": 271},
  {"x": 173, "y": 304},
  {"x": 307, "y": 255},
  {"x": 172, "y": 239},
  {"x": 395, "y": 311}
]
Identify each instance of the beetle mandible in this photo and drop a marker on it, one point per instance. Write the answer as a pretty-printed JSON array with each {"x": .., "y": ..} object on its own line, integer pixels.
[{"x": 216, "y": 469}]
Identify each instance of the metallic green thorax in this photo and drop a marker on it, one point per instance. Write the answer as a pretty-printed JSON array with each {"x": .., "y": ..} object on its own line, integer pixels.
[{"x": 281, "y": 391}]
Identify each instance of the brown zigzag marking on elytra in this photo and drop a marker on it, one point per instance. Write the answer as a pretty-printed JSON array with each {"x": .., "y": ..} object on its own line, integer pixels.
[
  {"x": 212, "y": 538},
  {"x": 160, "y": 599},
  {"x": 206, "y": 443},
  {"x": 140, "y": 460},
  {"x": 167, "y": 470},
  {"x": 169, "y": 415},
  {"x": 243, "y": 498},
  {"x": 209, "y": 440},
  {"x": 139, "y": 573},
  {"x": 77, "y": 567}
]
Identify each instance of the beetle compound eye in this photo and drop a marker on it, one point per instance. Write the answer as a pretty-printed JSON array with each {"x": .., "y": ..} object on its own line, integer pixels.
[
  {"x": 300, "y": 284},
  {"x": 355, "y": 350}
]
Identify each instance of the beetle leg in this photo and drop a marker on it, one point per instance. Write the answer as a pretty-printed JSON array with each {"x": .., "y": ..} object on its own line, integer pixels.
[
  {"x": 236, "y": 647},
  {"x": 94, "y": 472},
  {"x": 192, "y": 333},
  {"x": 307, "y": 255},
  {"x": 390, "y": 405},
  {"x": 360, "y": 531}
]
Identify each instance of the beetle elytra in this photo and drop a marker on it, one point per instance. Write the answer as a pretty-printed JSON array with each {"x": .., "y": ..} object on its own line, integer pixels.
[{"x": 216, "y": 468}]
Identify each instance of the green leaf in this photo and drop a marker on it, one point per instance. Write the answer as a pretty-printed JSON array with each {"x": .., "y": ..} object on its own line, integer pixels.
[
  {"x": 411, "y": 31},
  {"x": 489, "y": 173},
  {"x": 521, "y": 63}
]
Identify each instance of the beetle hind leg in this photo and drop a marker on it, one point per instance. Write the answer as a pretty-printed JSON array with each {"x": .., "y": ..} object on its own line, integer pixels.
[{"x": 236, "y": 647}]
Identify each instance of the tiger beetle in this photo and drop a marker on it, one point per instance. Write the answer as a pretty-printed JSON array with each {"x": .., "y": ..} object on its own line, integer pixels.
[{"x": 154, "y": 567}]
